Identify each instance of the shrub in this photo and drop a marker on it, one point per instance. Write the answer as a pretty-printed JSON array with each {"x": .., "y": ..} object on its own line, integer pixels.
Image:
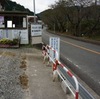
[
  {"x": 15, "y": 41},
  {"x": 8, "y": 41},
  {"x": 5, "y": 41}
]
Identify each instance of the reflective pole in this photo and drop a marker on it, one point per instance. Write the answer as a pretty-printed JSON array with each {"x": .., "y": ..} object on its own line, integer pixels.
[{"x": 34, "y": 11}]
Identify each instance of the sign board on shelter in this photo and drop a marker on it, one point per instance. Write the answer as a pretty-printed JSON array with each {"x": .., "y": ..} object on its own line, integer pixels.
[{"x": 36, "y": 29}]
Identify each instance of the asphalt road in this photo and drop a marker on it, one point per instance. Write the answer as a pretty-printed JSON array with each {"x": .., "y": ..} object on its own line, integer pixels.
[{"x": 83, "y": 58}]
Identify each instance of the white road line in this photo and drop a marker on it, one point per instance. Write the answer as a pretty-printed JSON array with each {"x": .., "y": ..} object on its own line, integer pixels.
[{"x": 70, "y": 61}]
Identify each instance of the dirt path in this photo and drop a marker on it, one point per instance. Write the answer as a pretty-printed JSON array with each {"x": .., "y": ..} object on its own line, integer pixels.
[{"x": 41, "y": 85}]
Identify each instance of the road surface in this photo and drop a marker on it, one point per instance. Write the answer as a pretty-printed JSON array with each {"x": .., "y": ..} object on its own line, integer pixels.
[{"x": 83, "y": 58}]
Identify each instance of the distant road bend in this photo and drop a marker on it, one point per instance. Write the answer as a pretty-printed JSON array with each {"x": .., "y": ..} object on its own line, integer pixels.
[{"x": 81, "y": 57}]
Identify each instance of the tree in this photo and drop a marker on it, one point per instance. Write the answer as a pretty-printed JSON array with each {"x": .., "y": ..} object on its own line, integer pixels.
[
  {"x": 59, "y": 16},
  {"x": 78, "y": 13},
  {"x": 78, "y": 16},
  {"x": 9, "y": 5}
]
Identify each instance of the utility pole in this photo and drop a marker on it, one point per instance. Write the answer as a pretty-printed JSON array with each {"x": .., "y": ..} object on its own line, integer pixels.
[
  {"x": 99, "y": 2},
  {"x": 34, "y": 11},
  {"x": 95, "y": 2}
]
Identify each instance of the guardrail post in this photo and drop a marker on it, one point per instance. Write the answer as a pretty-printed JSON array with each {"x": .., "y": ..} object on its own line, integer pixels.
[
  {"x": 76, "y": 97},
  {"x": 77, "y": 87},
  {"x": 55, "y": 64},
  {"x": 55, "y": 75},
  {"x": 74, "y": 78}
]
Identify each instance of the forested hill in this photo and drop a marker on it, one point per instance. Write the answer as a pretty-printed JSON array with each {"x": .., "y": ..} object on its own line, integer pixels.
[
  {"x": 74, "y": 17},
  {"x": 13, "y": 6}
]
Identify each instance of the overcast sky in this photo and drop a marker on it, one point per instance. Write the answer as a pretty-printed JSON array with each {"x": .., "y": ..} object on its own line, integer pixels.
[{"x": 40, "y": 4}]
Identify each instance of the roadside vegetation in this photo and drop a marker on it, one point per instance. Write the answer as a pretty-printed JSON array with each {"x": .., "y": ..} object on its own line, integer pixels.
[
  {"x": 8, "y": 41},
  {"x": 13, "y": 6},
  {"x": 79, "y": 18}
]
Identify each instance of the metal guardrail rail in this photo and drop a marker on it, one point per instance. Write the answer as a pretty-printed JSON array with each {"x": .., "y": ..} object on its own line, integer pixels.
[
  {"x": 84, "y": 94},
  {"x": 82, "y": 91},
  {"x": 57, "y": 62}
]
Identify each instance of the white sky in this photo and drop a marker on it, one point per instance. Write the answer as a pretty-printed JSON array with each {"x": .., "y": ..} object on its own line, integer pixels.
[{"x": 40, "y": 5}]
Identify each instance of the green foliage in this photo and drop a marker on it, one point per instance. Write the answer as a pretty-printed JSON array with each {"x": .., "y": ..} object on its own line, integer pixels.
[
  {"x": 87, "y": 25},
  {"x": 80, "y": 17},
  {"x": 13, "y": 6},
  {"x": 9, "y": 42},
  {"x": 5, "y": 41},
  {"x": 15, "y": 41}
]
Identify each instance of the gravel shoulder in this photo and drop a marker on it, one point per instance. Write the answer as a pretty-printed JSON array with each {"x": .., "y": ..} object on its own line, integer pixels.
[
  {"x": 24, "y": 76},
  {"x": 12, "y": 74}
]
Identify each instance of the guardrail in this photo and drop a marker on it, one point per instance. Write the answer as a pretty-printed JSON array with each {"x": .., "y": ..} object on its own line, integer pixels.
[{"x": 56, "y": 63}]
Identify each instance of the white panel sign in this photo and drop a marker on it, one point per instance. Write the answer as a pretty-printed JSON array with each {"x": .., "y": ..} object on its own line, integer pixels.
[
  {"x": 1, "y": 34},
  {"x": 9, "y": 24},
  {"x": 24, "y": 36},
  {"x": 36, "y": 29},
  {"x": 55, "y": 43},
  {"x": 1, "y": 20},
  {"x": 15, "y": 34}
]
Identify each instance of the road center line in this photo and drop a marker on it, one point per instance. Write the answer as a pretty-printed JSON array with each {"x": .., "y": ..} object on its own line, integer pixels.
[{"x": 81, "y": 47}]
